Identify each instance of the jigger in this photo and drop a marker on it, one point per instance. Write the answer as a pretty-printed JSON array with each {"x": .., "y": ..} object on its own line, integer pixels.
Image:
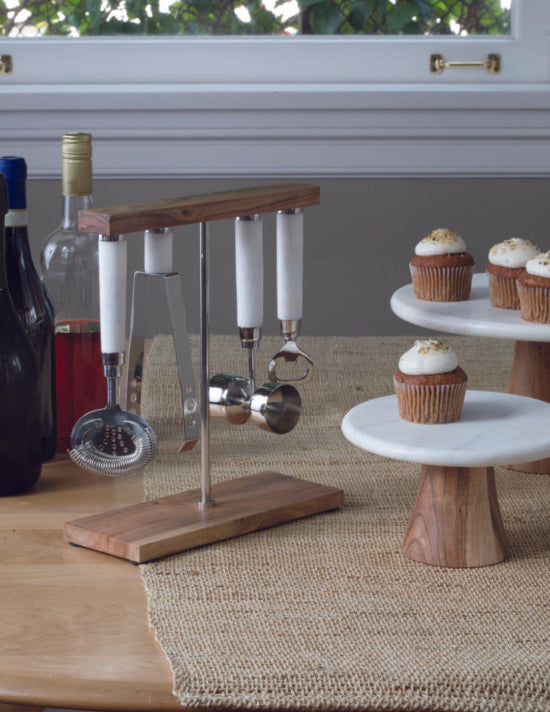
[
  {"x": 229, "y": 398},
  {"x": 158, "y": 308},
  {"x": 275, "y": 407}
]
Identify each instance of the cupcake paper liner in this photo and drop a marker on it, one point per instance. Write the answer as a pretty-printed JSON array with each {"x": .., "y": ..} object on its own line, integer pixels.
[
  {"x": 534, "y": 303},
  {"x": 442, "y": 284},
  {"x": 503, "y": 293},
  {"x": 430, "y": 404}
]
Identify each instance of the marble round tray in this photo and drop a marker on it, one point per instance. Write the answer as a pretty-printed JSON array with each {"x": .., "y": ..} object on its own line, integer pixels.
[
  {"x": 495, "y": 429},
  {"x": 473, "y": 317}
]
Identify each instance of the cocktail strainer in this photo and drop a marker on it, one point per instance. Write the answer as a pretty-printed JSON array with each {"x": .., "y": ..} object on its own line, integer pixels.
[{"x": 112, "y": 441}]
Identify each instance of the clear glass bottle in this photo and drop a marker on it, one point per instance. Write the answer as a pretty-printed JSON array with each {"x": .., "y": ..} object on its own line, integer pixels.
[
  {"x": 69, "y": 262},
  {"x": 29, "y": 297}
]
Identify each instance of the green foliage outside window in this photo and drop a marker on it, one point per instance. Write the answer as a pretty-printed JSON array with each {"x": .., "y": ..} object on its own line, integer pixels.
[{"x": 218, "y": 17}]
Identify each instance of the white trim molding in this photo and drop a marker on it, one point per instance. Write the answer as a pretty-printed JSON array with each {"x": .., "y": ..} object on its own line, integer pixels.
[{"x": 284, "y": 130}]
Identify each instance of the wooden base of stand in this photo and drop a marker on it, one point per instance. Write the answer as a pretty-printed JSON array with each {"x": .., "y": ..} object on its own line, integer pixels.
[
  {"x": 531, "y": 377},
  {"x": 456, "y": 519},
  {"x": 150, "y": 530}
]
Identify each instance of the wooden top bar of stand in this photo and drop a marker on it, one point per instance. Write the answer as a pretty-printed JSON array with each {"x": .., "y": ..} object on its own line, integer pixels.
[{"x": 156, "y": 214}]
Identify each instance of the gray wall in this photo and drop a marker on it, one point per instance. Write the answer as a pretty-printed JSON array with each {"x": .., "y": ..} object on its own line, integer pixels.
[{"x": 357, "y": 246}]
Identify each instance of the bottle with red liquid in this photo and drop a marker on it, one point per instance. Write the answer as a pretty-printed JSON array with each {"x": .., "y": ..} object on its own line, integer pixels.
[{"x": 69, "y": 263}]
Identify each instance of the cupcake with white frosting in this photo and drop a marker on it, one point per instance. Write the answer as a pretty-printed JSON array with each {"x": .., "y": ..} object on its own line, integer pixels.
[
  {"x": 533, "y": 287},
  {"x": 507, "y": 262},
  {"x": 441, "y": 268},
  {"x": 429, "y": 384}
]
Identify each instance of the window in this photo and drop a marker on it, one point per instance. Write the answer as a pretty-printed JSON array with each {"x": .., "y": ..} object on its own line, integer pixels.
[
  {"x": 77, "y": 18},
  {"x": 330, "y": 105},
  {"x": 350, "y": 58}
]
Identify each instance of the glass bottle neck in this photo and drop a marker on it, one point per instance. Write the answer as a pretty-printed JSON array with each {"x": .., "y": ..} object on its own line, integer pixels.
[
  {"x": 71, "y": 205},
  {"x": 17, "y": 246}
]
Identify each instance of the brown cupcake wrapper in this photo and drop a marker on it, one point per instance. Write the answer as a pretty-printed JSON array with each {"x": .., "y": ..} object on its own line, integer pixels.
[
  {"x": 442, "y": 284},
  {"x": 430, "y": 404},
  {"x": 503, "y": 293},
  {"x": 534, "y": 303}
]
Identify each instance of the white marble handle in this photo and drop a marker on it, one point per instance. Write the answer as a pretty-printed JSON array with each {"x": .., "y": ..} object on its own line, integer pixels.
[
  {"x": 249, "y": 271},
  {"x": 157, "y": 251},
  {"x": 112, "y": 294},
  {"x": 290, "y": 259}
]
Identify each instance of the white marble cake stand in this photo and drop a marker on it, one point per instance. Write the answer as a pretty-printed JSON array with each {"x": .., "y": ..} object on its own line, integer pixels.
[
  {"x": 530, "y": 374},
  {"x": 456, "y": 518}
]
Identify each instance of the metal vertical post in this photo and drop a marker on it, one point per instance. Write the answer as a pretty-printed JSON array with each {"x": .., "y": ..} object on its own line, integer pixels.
[{"x": 206, "y": 498}]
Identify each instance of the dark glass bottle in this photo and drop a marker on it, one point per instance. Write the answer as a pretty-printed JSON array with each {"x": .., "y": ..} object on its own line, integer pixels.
[
  {"x": 20, "y": 427},
  {"x": 29, "y": 296},
  {"x": 69, "y": 264}
]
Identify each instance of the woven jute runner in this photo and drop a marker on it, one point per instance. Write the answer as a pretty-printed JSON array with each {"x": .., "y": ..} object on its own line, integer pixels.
[{"x": 326, "y": 612}]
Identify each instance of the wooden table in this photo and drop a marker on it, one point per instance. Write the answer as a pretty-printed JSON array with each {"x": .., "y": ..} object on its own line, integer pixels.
[{"x": 74, "y": 622}]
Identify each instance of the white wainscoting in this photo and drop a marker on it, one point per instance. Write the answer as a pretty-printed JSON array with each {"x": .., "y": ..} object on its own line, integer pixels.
[{"x": 284, "y": 130}]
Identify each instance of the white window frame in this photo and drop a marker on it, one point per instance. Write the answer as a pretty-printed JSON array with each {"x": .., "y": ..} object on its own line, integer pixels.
[{"x": 300, "y": 106}]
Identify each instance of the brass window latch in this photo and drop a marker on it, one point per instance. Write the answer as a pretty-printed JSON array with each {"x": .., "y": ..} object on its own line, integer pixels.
[
  {"x": 492, "y": 64},
  {"x": 6, "y": 64}
]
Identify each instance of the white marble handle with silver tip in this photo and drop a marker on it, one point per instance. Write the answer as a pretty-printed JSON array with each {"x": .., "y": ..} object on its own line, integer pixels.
[
  {"x": 112, "y": 293},
  {"x": 249, "y": 271},
  {"x": 290, "y": 260},
  {"x": 157, "y": 251},
  {"x": 290, "y": 268}
]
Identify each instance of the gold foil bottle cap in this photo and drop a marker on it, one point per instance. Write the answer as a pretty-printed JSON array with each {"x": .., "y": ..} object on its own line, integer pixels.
[{"x": 76, "y": 153}]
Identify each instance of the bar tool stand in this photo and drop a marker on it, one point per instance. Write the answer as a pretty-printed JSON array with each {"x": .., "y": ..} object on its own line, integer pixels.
[{"x": 150, "y": 530}]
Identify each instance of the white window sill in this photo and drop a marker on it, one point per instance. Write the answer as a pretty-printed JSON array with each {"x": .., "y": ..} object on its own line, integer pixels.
[{"x": 274, "y": 130}]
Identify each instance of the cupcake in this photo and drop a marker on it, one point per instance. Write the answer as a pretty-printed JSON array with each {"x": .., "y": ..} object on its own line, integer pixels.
[
  {"x": 429, "y": 384},
  {"x": 506, "y": 262},
  {"x": 533, "y": 287},
  {"x": 441, "y": 269}
]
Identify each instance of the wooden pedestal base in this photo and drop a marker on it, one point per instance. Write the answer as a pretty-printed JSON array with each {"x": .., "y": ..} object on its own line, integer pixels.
[
  {"x": 531, "y": 377},
  {"x": 150, "y": 530},
  {"x": 456, "y": 519}
]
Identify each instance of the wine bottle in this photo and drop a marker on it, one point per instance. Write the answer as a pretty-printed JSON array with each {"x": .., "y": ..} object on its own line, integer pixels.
[
  {"x": 20, "y": 426},
  {"x": 29, "y": 296},
  {"x": 69, "y": 264}
]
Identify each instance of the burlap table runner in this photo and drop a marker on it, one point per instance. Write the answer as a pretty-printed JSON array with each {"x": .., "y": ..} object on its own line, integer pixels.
[{"x": 326, "y": 612}]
